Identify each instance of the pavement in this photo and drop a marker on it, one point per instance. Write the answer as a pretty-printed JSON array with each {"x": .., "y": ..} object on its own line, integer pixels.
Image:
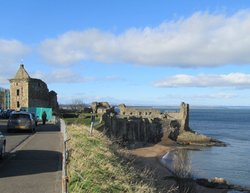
[{"x": 34, "y": 161}]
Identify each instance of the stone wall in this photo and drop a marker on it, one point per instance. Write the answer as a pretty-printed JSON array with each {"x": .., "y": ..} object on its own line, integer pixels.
[
  {"x": 182, "y": 116},
  {"x": 133, "y": 129},
  {"x": 124, "y": 111},
  {"x": 53, "y": 101}
]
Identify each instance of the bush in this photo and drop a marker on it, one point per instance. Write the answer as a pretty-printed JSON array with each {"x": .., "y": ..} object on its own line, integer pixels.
[{"x": 70, "y": 115}]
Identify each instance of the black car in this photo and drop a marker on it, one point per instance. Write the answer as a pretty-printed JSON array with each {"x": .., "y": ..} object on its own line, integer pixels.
[
  {"x": 6, "y": 113},
  {"x": 2, "y": 145}
]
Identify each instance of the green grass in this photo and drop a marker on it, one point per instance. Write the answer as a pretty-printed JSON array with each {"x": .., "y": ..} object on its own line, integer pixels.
[
  {"x": 83, "y": 119},
  {"x": 95, "y": 165}
]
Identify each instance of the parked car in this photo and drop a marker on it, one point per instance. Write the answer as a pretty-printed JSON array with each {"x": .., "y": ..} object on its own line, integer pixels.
[
  {"x": 6, "y": 113},
  {"x": 2, "y": 145},
  {"x": 1, "y": 113},
  {"x": 21, "y": 121}
]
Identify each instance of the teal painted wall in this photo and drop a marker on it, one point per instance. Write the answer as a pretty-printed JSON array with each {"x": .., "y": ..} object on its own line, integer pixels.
[{"x": 39, "y": 111}]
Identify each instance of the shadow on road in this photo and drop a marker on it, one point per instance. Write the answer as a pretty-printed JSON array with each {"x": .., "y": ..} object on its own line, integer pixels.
[
  {"x": 16, "y": 133},
  {"x": 47, "y": 127},
  {"x": 28, "y": 162}
]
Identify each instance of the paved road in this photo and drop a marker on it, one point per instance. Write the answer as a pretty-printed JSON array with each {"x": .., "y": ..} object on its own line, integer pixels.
[
  {"x": 14, "y": 139},
  {"x": 34, "y": 161}
]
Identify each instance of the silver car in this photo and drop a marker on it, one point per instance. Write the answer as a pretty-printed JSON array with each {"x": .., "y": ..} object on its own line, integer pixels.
[
  {"x": 21, "y": 121},
  {"x": 2, "y": 145}
]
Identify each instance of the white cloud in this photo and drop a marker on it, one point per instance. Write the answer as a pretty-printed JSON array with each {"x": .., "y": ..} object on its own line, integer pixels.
[
  {"x": 11, "y": 52},
  {"x": 12, "y": 47},
  {"x": 238, "y": 80},
  {"x": 210, "y": 98},
  {"x": 202, "y": 39},
  {"x": 65, "y": 75},
  {"x": 216, "y": 96},
  {"x": 3, "y": 81}
]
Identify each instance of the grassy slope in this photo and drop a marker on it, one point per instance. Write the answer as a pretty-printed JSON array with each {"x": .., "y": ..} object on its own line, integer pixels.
[{"x": 95, "y": 165}]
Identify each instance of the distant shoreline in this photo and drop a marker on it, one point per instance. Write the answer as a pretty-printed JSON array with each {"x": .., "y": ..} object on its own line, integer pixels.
[{"x": 192, "y": 107}]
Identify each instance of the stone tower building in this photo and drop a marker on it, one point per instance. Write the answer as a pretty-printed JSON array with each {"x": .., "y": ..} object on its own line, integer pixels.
[{"x": 30, "y": 92}]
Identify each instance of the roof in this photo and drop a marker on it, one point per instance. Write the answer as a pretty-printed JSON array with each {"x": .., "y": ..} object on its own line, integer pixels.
[{"x": 22, "y": 73}]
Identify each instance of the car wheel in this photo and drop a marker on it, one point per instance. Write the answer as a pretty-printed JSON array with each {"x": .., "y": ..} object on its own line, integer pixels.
[{"x": 2, "y": 151}]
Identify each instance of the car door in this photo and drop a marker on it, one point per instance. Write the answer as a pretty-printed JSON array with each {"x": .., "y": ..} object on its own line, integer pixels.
[{"x": 2, "y": 145}]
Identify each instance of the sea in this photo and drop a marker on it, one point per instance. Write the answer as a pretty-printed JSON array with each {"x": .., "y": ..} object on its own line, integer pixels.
[{"x": 232, "y": 126}]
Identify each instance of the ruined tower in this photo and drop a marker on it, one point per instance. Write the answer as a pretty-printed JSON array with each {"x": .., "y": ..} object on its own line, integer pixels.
[
  {"x": 184, "y": 116},
  {"x": 30, "y": 92}
]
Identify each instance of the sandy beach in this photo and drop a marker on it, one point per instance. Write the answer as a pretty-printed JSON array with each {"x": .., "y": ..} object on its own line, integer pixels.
[{"x": 151, "y": 156}]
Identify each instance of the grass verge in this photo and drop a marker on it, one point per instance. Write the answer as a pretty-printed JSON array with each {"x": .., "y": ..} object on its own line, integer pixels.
[
  {"x": 95, "y": 165},
  {"x": 83, "y": 119}
]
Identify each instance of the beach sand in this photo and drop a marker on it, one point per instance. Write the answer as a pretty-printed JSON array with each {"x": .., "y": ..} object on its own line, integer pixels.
[{"x": 150, "y": 157}]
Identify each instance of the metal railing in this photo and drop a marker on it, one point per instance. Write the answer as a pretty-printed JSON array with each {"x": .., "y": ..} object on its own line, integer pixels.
[{"x": 65, "y": 157}]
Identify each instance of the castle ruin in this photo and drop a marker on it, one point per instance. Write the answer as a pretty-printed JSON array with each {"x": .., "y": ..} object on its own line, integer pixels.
[
  {"x": 143, "y": 125},
  {"x": 30, "y": 92}
]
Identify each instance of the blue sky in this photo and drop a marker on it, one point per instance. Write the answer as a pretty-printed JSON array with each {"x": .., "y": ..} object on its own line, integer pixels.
[{"x": 144, "y": 52}]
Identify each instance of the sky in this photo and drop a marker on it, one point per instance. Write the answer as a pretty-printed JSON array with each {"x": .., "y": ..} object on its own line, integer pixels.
[{"x": 143, "y": 52}]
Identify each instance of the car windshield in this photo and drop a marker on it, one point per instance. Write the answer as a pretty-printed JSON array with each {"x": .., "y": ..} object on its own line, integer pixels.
[{"x": 20, "y": 116}]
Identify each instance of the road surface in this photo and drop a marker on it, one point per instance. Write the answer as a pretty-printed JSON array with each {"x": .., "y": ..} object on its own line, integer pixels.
[{"x": 34, "y": 161}]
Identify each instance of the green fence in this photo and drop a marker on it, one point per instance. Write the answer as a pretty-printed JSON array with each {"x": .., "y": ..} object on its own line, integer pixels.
[{"x": 39, "y": 111}]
